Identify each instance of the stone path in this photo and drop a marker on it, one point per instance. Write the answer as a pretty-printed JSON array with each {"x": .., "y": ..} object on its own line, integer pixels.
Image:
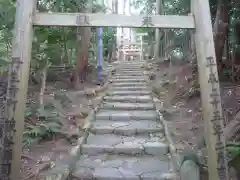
[{"x": 126, "y": 141}]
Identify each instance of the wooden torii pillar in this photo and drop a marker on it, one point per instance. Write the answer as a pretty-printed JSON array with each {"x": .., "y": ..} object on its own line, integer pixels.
[
  {"x": 158, "y": 47},
  {"x": 200, "y": 20},
  {"x": 141, "y": 43}
]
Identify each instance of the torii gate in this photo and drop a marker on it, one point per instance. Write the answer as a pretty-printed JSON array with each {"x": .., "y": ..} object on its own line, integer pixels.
[
  {"x": 132, "y": 48},
  {"x": 27, "y": 16}
]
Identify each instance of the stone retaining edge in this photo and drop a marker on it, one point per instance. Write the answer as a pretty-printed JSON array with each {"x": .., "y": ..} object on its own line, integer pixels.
[
  {"x": 188, "y": 170},
  {"x": 75, "y": 152}
]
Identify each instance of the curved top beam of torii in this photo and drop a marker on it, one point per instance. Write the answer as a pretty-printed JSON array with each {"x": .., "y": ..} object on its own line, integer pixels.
[{"x": 109, "y": 20}]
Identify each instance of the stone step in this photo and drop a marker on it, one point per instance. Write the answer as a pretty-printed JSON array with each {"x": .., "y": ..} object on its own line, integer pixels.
[
  {"x": 124, "y": 93},
  {"x": 128, "y": 106},
  {"x": 129, "y": 84},
  {"x": 131, "y": 64},
  {"x": 125, "y": 77},
  {"x": 130, "y": 74},
  {"x": 117, "y": 144},
  {"x": 123, "y": 167},
  {"x": 128, "y": 128},
  {"x": 130, "y": 69},
  {"x": 133, "y": 99},
  {"x": 128, "y": 80},
  {"x": 126, "y": 115},
  {"x": 143, "y": 88}
]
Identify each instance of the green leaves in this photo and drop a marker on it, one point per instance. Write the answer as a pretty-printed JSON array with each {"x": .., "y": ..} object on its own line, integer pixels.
[
  {"x": 47, "y": 123},
  {"x": 3, "y": 62},
  {"x": 41, "y": 130},
  {"x": 51, "y": 45},
  {"x": 37, "y": 131},
  {"x": 233, "y": 149}
]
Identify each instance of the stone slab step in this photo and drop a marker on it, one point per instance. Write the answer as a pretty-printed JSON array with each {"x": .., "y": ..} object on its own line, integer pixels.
[
  {"x": 129, "y": 84},
  {"x": 130, "y": 74},
  {"x": 128, "y": 128},
  {"x": 139, "y": 88},
  {"x": 131, "y": 64},
  {"x": 128, "y": 80},
  {"x": 127, "y": 65},
  {"x": 124, "y": 93},
  {"x": 138, "y": 69},
  {"x": 130, "y": 69},
  {"x": 126, "y": 115},
  {"x": 125, "y": 77},
  {"x": 122, "y": 167},
  {"x": 130, "y": 145},
  {"x": 133, "y": 99},
  {"x": 128, "y": 106}
]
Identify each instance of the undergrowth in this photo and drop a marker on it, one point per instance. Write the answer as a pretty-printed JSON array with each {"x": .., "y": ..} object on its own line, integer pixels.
[
  {"x": 233, "y": 154},
  {"x": 41, "y": 122},
  {"x": 45, "y": 121}
]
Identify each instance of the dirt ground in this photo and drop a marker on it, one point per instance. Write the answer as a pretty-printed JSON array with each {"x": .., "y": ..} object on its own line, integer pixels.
[
  {"x": 183, "y": 114},
  {"x": 42, "y": 155}
]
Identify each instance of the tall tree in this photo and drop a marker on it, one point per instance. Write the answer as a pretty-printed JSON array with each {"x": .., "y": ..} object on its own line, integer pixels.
[
  {"x": 83, "y": 42},
  {"x": 220, "y": 29}
]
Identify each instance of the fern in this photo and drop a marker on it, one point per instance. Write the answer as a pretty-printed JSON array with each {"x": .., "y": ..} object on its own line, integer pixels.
[
  {"x": 233, "y": 149},
  {"x": 48, "y": 124}
]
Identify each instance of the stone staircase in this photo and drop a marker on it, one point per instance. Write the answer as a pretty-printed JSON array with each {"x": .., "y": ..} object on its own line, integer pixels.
[{"x": 126, "y": 140}]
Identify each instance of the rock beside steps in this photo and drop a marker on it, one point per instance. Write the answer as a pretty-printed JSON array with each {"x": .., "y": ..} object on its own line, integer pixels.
[{"x": 126, "y": 140}]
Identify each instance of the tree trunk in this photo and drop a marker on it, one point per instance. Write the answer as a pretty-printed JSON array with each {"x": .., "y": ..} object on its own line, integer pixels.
[
  {"x": 220, "y": 29},
  {"x": 83, "y": 38},
  {"x": 237, "y": 43},
  {"x": 43, "y": 86},
  {"x": 65, "y": 50},
  {"x": 80, "y": 72}
]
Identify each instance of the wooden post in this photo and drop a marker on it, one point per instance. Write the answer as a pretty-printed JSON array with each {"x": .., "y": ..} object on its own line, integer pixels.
[
  {"x": 18, "y": 80},
  {"x": 100, "y": 51},
  {"x": 130, "y": 29},
  {"x": 99, "y": 54},
  {"x": 114, "y": 49},
  {"x": 210, "y": 93},
  {"x": 120, "y": 56},
  {"x": 157, "y": 31},
  {"x": 165, "y": 55},
  {"x": 141, "y": 54}
]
